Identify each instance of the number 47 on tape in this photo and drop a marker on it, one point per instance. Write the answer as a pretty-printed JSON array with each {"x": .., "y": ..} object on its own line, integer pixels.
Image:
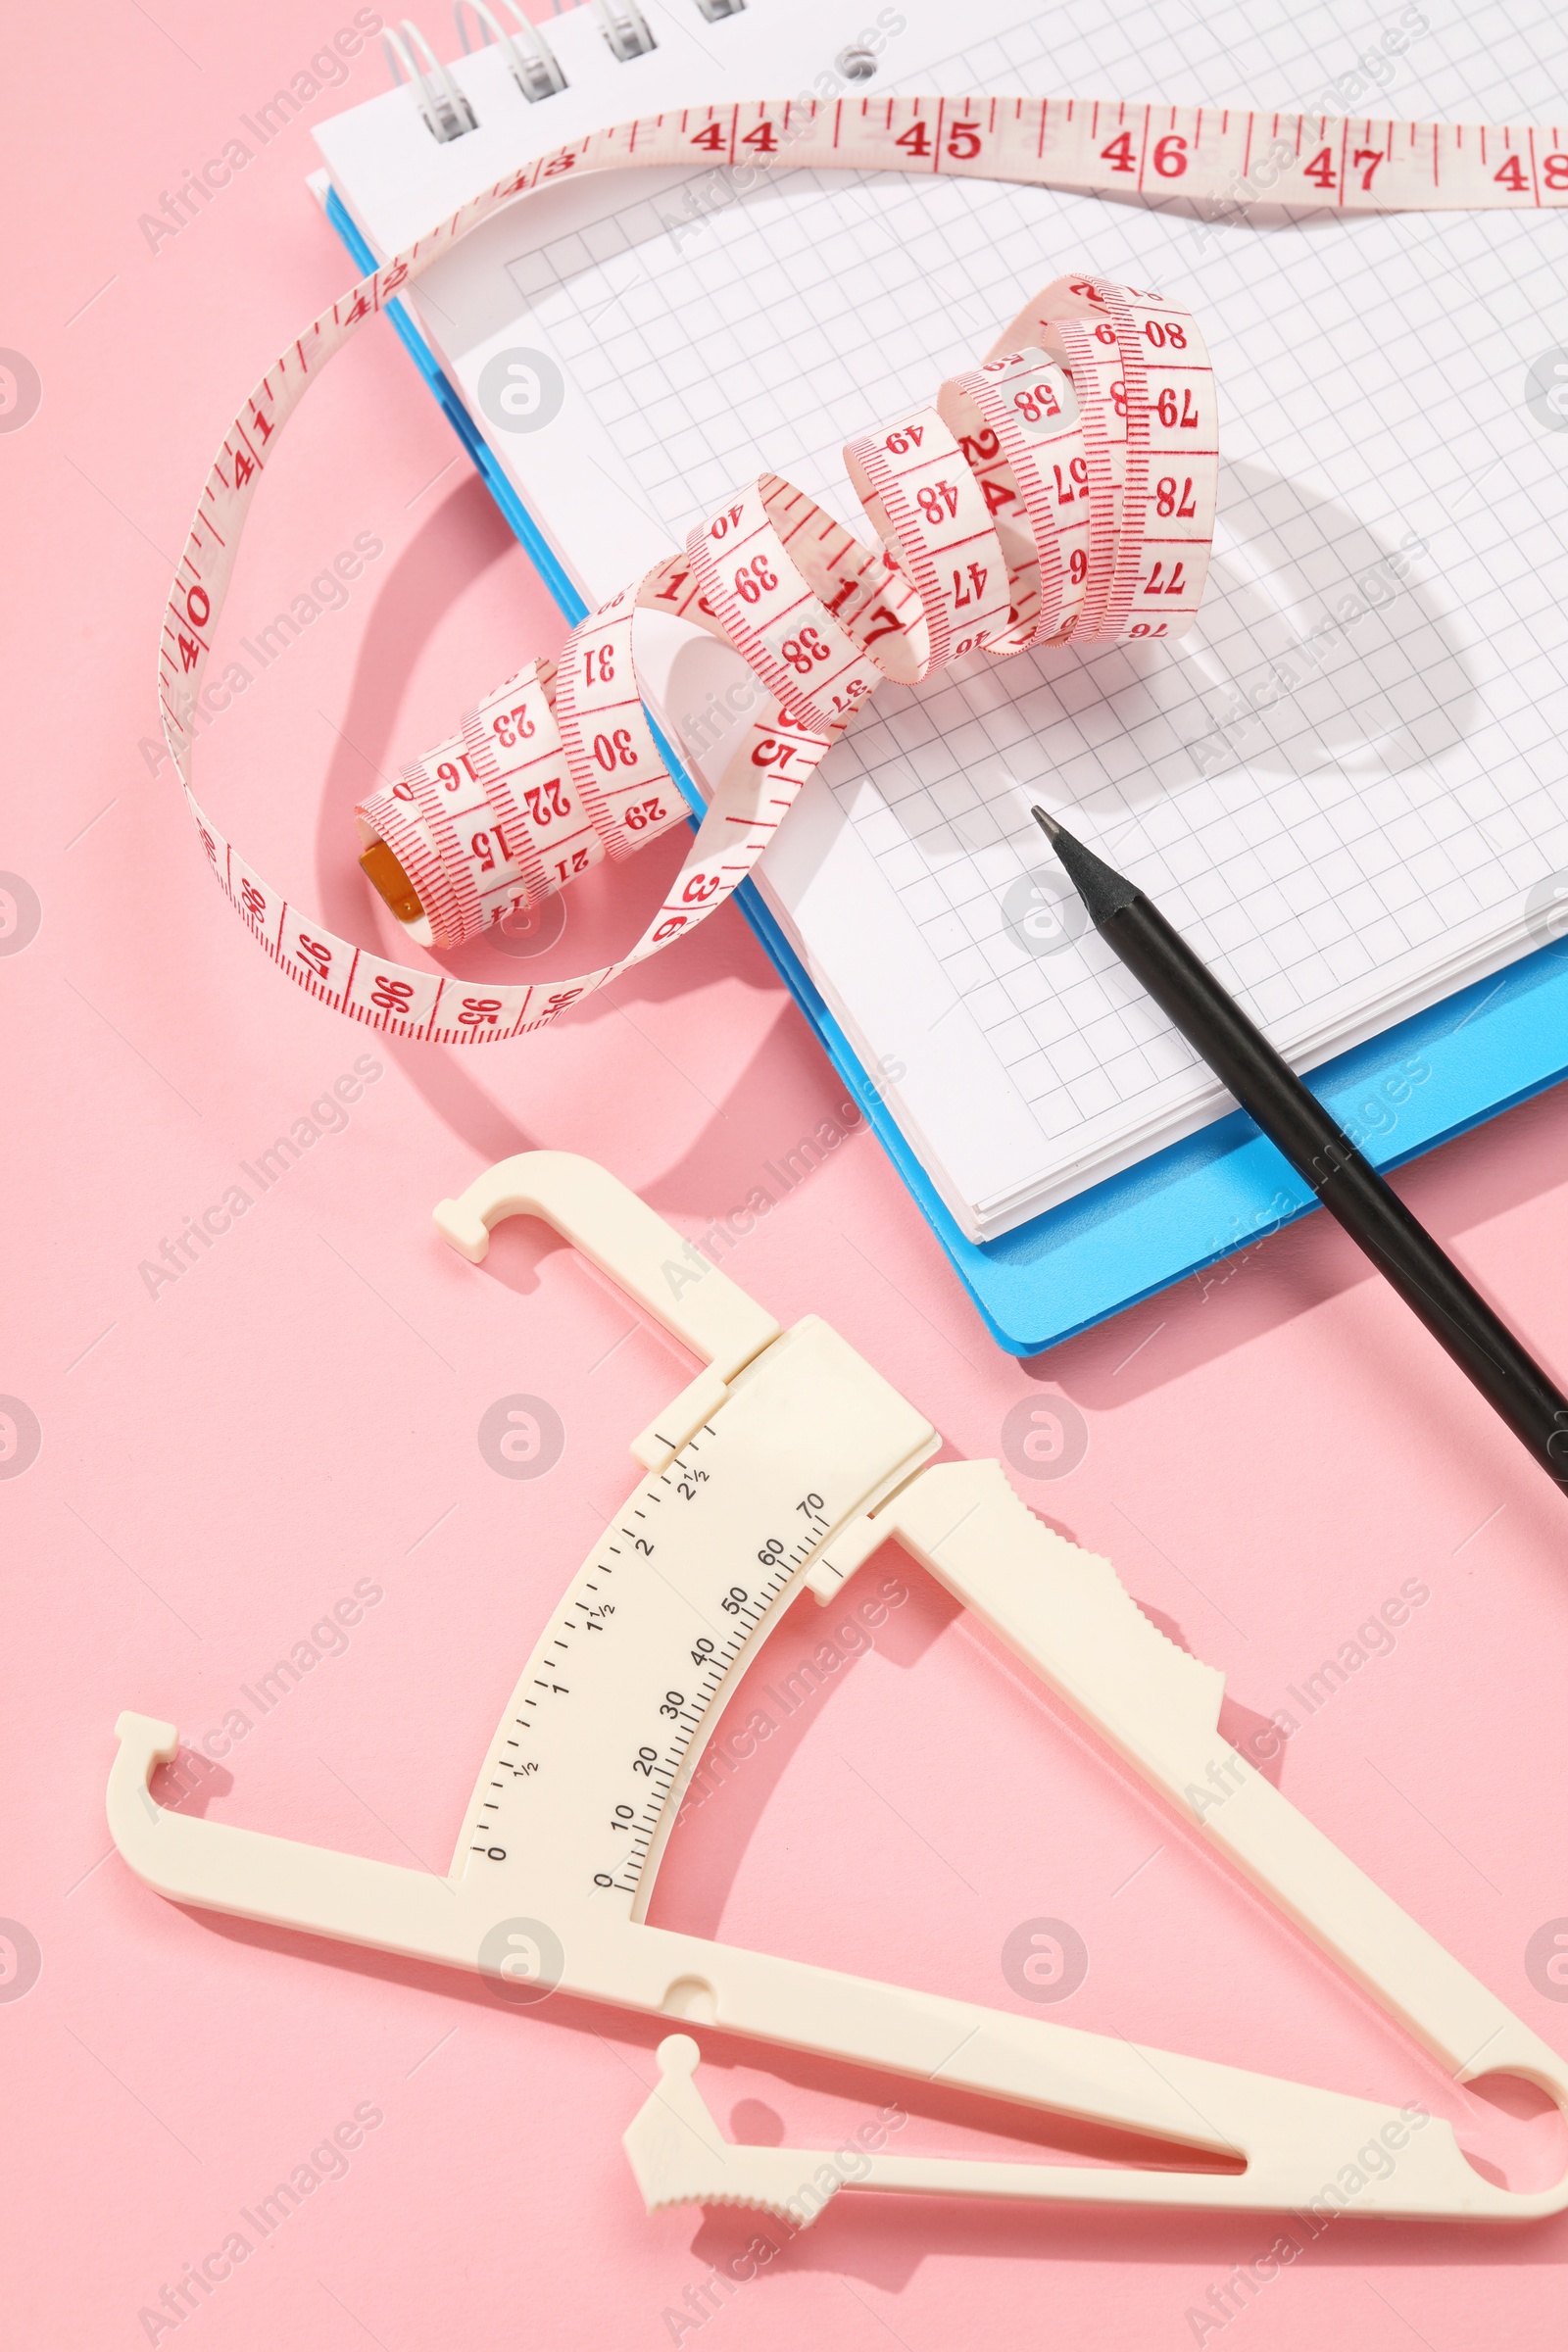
[{"x": 787, "y": 1462}]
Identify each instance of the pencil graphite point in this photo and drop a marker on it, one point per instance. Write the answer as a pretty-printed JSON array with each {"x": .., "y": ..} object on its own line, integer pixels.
[{"x": 1102, "y": 889}]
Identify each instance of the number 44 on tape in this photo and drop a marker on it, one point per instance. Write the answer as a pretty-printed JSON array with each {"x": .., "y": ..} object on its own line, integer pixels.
[{"x": 786, "y": 1463}]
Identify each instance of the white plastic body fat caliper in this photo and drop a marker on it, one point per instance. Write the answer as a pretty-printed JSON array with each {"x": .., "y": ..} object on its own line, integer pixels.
[{"x": 788, "y": 1461}]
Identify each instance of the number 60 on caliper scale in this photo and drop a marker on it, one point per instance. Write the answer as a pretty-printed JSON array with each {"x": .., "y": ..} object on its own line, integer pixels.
[{"x": 787, "y": 1462}]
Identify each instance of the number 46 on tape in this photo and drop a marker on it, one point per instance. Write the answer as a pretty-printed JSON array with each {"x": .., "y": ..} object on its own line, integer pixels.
[{"x": 786, "y": 1463}]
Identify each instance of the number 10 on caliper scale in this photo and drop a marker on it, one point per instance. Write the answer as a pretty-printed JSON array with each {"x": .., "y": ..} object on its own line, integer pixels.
[{"x": 788, "y": 1461}]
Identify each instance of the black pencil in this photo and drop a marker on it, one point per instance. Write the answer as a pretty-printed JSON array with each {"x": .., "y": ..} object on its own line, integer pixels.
[{"x": 1348, "y": 1186}]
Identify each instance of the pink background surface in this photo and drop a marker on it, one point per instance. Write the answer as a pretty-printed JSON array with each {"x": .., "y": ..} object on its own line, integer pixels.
[{"x": 1271, "y": 1456}]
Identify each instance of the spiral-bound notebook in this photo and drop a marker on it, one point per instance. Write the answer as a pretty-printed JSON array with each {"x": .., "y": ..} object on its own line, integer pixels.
[{"x": 1360, "y": 821}]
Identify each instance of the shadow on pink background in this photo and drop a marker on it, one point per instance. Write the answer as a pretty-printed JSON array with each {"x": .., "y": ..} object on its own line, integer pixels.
[{"x": 224, "y": 1454}]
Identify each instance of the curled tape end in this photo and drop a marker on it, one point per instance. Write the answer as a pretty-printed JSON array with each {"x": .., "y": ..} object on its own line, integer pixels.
[
  {"x": 385, "y": 876},
  {"x": 464, "y": 1229}
]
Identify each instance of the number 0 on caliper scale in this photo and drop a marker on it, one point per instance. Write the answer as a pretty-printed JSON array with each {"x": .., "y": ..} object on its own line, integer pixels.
[{"x": 788, "y": 1461}]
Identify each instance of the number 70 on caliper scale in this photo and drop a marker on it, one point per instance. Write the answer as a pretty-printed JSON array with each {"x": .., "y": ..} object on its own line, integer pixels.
[{"x": 788, "y": 1461}]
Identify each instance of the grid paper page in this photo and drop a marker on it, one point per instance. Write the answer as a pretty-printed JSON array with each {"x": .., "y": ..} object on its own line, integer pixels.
[{"x": 1344, "y": 804}]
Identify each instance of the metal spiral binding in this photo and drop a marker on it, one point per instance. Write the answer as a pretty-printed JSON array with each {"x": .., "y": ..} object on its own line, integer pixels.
[
  {"x": 534, "y": 66},
  {"x": 625, "y": 29},
  {"x": 446, "y": 111}
]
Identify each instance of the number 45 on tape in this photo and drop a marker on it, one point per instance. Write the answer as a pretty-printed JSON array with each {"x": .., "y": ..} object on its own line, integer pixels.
[{"x": 786, "y": 1463}]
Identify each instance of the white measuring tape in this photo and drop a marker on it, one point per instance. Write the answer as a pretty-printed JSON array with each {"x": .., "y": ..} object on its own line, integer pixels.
[
  {"x": 785, "y": 1465},
  {"x": 1066, "y": 489}
]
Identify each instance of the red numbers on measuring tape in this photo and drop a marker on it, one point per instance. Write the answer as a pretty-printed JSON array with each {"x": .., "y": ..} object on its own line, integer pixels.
[
  {"x": 962, "y": 145},
  {"x": 546, "y": 802},
  {"x": 513, "y": 727},
  {"x": 1172, "y": 498},
  {"x": 804, "y": 652},
  {"x": 754, "y": 580},
  {"x": 1181, "y": 412},
  {"x": 615, "y": 750}
]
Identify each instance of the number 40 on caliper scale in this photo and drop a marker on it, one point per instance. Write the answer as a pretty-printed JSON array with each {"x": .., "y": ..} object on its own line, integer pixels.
[{"x": 788, "y": 1462}]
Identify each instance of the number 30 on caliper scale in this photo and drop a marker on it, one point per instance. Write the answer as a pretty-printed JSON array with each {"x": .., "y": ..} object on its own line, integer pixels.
[{"x": 787, "y": 1462}]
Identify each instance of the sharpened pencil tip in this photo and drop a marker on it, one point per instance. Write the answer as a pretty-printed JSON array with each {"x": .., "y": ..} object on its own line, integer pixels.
[{"x": 1103, "y": 891}]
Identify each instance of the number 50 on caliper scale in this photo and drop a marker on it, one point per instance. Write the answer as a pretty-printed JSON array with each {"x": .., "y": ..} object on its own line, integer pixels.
[{"x": 787, "y": 1462}]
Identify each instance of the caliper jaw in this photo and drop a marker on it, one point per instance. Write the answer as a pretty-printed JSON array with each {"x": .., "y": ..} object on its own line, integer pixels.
[{"x": 626, "y": 1240}]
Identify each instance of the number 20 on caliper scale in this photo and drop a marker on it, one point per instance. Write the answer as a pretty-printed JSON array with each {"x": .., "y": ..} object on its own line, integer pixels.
[{"x": 787, "y": 1462}]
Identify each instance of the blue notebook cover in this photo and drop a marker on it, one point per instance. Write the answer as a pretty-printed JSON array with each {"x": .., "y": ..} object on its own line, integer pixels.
[{"x": 1433, "y": 1076}]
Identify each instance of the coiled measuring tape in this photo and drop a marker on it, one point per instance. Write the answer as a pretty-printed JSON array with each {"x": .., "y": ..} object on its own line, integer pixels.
[{"x": 1066, "y": 489}]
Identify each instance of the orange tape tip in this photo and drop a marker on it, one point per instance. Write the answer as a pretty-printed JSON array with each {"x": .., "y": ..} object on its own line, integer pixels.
[{"x": 384, "y": 874}]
